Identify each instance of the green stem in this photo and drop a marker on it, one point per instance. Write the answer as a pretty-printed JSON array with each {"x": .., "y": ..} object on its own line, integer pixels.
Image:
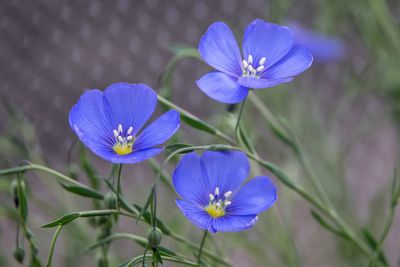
[
  {"x": 189, "y": 115},
  {"x": 205, "y": 251},
  {"x": 239, "y": 117},
  {"x": 119, "y": 191},
  {"x": 203, "y": 240},
  {"x": 133, "y": 212},
  {"x": 284, "y": 178},
  {"x": 279, "y": 129},
  {"x": 53, "y": 244},
  {"x": 32, "y": 166},
  {"x": 386, "y": 228}
]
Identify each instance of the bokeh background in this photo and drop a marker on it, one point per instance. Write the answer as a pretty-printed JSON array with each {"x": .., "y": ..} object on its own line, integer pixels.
[{"x": 345, "y": 111}]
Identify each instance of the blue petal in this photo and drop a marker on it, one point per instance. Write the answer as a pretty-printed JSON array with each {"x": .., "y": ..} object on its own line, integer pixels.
[
  {"x": 295, "y": 62},
  {"x": 90, "y": 122},
  {"x": 195, "y": 214},
  {"x": 219, "y": 49},
  {"x": 258, "y": 83},
  {"x": 254, "y": 197},
  {"x": 264, "y": 39},
  {"x": 158, "y": 131},
  {"x": 225, "y": 170},
  {"x": 189, "y": 180},
  {"x": 233, "y": 223},
  {"x": 222, "y": 87},
  {"x": 135, "y": 157},
  {"x": 130, "y": 104}
]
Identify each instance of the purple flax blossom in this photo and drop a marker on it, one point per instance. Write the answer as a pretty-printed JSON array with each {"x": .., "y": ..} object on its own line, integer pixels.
[
  {"x": 270, "y": 56},
  {"x": 110, "y": 123},
  {"x": 212, "y": 196}
]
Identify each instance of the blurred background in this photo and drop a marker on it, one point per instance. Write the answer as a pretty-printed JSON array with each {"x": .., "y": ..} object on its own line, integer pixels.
[{"x": 345, "y": 110}]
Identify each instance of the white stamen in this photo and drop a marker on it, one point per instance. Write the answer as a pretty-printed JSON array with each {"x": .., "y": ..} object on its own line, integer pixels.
[
  {"x": 250, "y": 59},
  {"x": 130, "y": 130},
  {"x": 129, "y": 138},
  {"x": 227, "y": 194},
  {"x": 120, "y": 128},
  {"x": 250, "y": 68},
  {"x": 216, "y": 191},
  {"x": 260, "y": 68},
  {"x": 116, "y": 134},
  {"x": 262, "y": 61},
  {"x": 120, "y": 139},
  {"x": 245, "y": 64},
  {"x": 227, "y": 203},
  {"x": 211, "y": 197},
  {"x": 218, "y": 204}
]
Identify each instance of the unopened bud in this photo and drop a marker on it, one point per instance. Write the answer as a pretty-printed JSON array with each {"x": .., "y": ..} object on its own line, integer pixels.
[
  {"x": 15, "y": 188},
  {"x": 154, "y": 237},
  {"x": 19, "y": 254}
]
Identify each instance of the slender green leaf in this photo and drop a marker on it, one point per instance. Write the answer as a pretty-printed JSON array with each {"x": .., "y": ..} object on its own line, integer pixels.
[
  {"x": 184, "y": 50},
  {"x": 245, "y": 140},
  {"x": 156, "y": 253},
  {"x": 89, "y": 170},
  {"x": 372, "y": 243},
  {"x": 198, "y": 124},
  {"x": 149, "y": 200},
  {"x": 326, "y": 225},
  {"x": 220, "y": 147},
  {"x": 22, "y": 200},
  {"x": 395, "y": 189},
  {"x": 63, "y": 220},
  {"x": 123, "y": 202},
  {"x": 174, "y": 147},
  {"x": 160, "y": 224},
  {"x": 83, "y": 191}
]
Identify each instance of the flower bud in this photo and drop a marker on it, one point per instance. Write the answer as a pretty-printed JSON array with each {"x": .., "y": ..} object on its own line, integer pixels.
[
  {"x": 14, "y": 190},
  {"x": 19, "y": 254},
  {"x": 110, "y": 200},
  {"x": 154, "y": 237}
]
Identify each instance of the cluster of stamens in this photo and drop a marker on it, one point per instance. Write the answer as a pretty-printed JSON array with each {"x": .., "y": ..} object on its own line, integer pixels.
[
  {"x": 218, "y": 202},
  {"x": 252, "y": 70},
  {"x": 123, "y": 142}
]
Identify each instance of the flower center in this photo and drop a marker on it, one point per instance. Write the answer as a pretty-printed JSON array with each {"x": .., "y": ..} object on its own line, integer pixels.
[
  {"x": 253, "y": 70},
  {"x": 123, "y": 142},
  {"x": 218, "y": 203}
]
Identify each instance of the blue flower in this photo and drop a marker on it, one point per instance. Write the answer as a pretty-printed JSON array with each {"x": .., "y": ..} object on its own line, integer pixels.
[
  {"x": 110, "y": 123},
  {"x": 323, "y": 48},
  {"x": 212, "y": 197},
  {"x": 270, "y": 57}
]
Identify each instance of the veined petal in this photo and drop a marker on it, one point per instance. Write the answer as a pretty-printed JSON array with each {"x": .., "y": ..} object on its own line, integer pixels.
[
  {"x": 295, "y": 62},
  {"x": 264, "y": 39},
  {"x": 222, "y": 87},
  {"x": 233, "y": 223},
  {"x": 254, "y": 197},
  {"x": 189, "y": 180},
  {"x": 159, "y": 130},
  {"x": 258, "y": 83},
  {"x": 130, "y": 105},
  {"x": 225, "y": 170},
  {"x": 136, "y": 156},
  {"x": 90, "y": 122},
  {"x": 195, "y": 214},
  {"x": 219, "y": 49}
]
